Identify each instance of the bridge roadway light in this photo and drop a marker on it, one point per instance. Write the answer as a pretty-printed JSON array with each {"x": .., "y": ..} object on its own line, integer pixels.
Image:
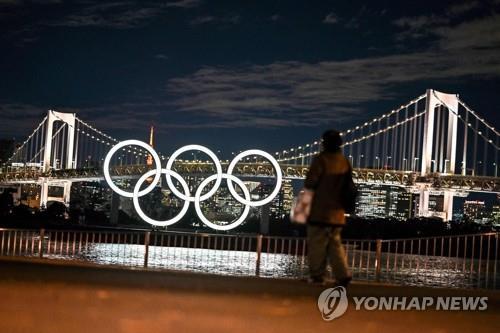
[
  {"x": 387, "y": 162},
  {"x": 479, "y": 165},
  {"x": 445, "y": 166},
  {"x": 404, "y": 164},
  {"x": 415, "y": 161},
  {"x": 359, "y": 160},
  {"x": 378, "y": 162},
  {"x": 496, "y": 168},
  {"x": 433, "y": 166}
]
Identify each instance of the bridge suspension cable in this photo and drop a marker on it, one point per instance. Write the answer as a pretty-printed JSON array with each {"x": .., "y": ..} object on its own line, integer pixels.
[
  {"x": 24, "y": 152},
  {"x": 395, "y": 140},
  {"x": 382, "y": 141}
]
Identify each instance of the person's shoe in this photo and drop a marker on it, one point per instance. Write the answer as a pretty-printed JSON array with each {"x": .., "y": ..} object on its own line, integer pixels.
[
  {"x": 344, "y": 282},
  {"x": 316, "y": 280}
]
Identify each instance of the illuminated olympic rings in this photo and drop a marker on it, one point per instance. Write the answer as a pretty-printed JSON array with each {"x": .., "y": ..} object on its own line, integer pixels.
[{"x": 185, "y": 194}]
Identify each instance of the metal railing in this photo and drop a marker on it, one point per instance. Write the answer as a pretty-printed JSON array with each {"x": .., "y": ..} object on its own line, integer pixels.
[{"x": 464, "y": 261}]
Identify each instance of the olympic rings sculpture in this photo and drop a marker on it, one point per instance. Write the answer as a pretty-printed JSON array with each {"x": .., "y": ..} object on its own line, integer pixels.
[{"x": 185, "y": 194}]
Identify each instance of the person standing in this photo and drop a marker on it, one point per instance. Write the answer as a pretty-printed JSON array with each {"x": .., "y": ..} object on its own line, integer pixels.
[{"x": 327, "y": 176}]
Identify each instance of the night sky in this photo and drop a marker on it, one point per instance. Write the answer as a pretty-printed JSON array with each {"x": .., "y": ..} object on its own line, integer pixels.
[{"x": 240, "y": 74}]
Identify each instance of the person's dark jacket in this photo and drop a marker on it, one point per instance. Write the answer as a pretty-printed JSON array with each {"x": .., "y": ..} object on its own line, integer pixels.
[{"x": 325, "y": 177}]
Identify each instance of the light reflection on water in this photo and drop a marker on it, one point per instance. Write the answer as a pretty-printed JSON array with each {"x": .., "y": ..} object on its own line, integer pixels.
[{"x": 402, "y": 269}]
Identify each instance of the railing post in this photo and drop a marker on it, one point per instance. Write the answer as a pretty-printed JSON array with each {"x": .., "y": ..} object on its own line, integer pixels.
[
  {"x": 378, "y": 259},
  {"x": 259, "y": 251},
  {"x": 146, "y": 248},
  {"x": 40, "y": 243}
]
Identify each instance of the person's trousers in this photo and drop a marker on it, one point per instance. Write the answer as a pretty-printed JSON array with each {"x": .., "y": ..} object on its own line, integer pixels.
[{"x": 324, "y": 245}]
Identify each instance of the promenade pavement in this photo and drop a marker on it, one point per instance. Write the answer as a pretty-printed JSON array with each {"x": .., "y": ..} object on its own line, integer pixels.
[{"x": 55, "y": 296}]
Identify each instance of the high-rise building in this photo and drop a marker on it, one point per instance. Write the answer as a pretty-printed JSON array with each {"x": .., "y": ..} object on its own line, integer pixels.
[
  {"x": 475, "y": 210},
  {"x": 495, "y": 213},
  {"x": 400, "y": 203},
  {"x": 379, "y": 201},
  {"x": 371, "y": 201},
  {"x": 281, "y": 204}
]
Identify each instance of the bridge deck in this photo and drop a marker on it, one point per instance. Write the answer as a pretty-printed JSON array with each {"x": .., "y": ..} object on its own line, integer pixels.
[
  {"x": 380, "y": 176},
  {"x": 57, "y": 297}
]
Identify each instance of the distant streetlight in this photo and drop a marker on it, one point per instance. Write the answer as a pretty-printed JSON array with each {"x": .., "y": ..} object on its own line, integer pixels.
[
  {"x": 387, "y": 162},
  {"x": 378, "y": 162}
]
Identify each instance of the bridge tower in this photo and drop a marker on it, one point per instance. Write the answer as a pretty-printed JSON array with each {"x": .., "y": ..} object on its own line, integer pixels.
[
  {"x": 69, "y": 119},
  {"x": 431, "y": 143}
]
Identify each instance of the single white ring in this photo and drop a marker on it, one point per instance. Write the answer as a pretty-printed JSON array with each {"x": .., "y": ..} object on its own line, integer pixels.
[
  {"x": 144, "y": 145},
  {"x": 212, "y": 156},
  {"x": 146, "y": 218},
  {"x": 202, "y": 217},
  {"x": 276, "y": 166}
]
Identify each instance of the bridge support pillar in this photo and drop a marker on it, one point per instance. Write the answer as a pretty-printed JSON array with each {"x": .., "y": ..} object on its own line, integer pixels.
[
  {"x": 448, "y": 205},
  {"x": 115, "y": 208},
  {"x": 44, "y": 193},
  {"x": 69, "y": 119},
  {"x": 16, "y": 196},
  {"x": 264, "y": 219},
  {"x": 67, "y": 193},
  {"x": 423, "y": 206}
]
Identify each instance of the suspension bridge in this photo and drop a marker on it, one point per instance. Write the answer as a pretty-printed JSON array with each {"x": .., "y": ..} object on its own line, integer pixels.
[{"x": 433, "y": 145}]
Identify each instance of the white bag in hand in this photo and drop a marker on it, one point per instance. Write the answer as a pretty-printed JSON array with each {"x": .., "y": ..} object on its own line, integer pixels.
[{"x": 301, "y": 207}]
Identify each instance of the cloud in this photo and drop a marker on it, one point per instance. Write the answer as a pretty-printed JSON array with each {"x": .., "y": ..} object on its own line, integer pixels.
[
  {"x": 417, "y": 27},
  {"x": 12, "y": 124},
  {"x": 275, "y": 17},
  {"x": 232, "y": 19},
  {"x": 10, "y": 2},
  {"x": 463, "y": 8},
  {"x": 183, "y": 3},
  {"x": 289, "y": 94},
  {"x": 478, "y": 34},
  {"x": 202, "y": 20},
  {"x": 355, "y": 21},
  {"x": 118, "y": 15},
  {"x": 294, "y": 93},
  {"x": 420, "y": 22},
  {"x": 161, "y": 56},
  {"x": 331, "y": 18}
]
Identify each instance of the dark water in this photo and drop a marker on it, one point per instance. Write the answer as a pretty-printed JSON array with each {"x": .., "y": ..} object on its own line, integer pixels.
[
  {"x": 406, "y": 269},
  {"x": 401, "y": 269}
]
